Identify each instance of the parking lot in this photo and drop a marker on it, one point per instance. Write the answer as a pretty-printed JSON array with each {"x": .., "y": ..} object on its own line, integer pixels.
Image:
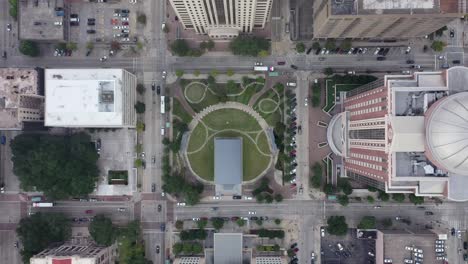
[
  {"x": 397, "y": 247},
  {"x": 351, "y": 249}
]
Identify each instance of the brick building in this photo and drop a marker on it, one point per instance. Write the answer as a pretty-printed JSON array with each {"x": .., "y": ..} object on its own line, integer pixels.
[{"x": 405, "y": 134}]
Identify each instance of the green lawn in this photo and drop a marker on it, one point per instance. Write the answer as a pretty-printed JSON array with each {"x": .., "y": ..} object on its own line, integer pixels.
[
  {"x": 231, "y": 119},
  {"x": 195, "y": 92},
  {"x": 270, "y": 118},
  {"x": 197, "y": 138},
  {"x": 244, "y": 98},
  {"x": 268, "y": 105},
  {"x": 180, "y": 111},
  {"x": 254, "y": 162}
]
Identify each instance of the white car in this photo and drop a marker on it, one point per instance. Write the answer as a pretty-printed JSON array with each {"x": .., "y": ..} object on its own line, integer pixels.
[
  {"x": 180, "y": 204},
  {"x": 163, "y": 26},
  {"x": 216, "y": 197},
  {"x": 364, "y": 52},
  {"x": 133, "y": 1},
  {"x": 126, "y": 39},
  {"x": 322, "y": 232},
  {"x": 409, "y": 248},
  {"x": 306, "y": 101},
  {"x": 121, "y": 209},
  {"x": 248, "y": 197},
  {"x": 163, "y": 194},
  {"x": 252, "y": 212},
  {"x": 441, "y": 242},
  {"x": 387, "y": 261},
  {"x": 409, "y": 261},
  {"x": 408, "y": 50},
  {"x": 125, "y": 19},
  {"x": 117, "y": 35},
  {"x": 439, "y": 250},
  {"x": 419, "y": 251},
  {"x": 376, "y": 51},
  {"x": 258, "y": 64},
  {"x": 439, "y": 246},
  {"x": 196, "y": 219},
  {"x": 164, "y": 74},
  {"x": 350, "y": 51}
]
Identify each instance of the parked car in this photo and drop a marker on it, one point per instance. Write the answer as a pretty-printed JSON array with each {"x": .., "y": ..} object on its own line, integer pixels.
[
  {"x": 308, "y": 51},
  {"x": 157, "y": 249},
  {"x": 452, "y": 33},
  {"x": 294, "y": 67},
  {"x": 429, "y": 213},
  {"x": 91, "y": 31},
  {"x": 456, "y": 61},
  {"x": 121, "y": 209},
  {"x": 153, "y": 187},
  {"x": 159, "y": 208},
  {"x": 381, "y": 58},
  {"x": 237, "y": 197},
  {"x": 89, "y": 211},
  {"x": 322, "y": 232}
]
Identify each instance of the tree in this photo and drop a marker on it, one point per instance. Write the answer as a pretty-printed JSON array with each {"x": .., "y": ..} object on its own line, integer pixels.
[
  {"x": 139, "y": 45},
  {"x": 343, "y": 200},
  {"x": 217, "y": 223},
  {"x": 138, "y": 163},
  {"x": 29, "y": 48},
  {"x": 214, "y": 73},
  {"x": 345, "y": 186},
  {"x": 316, "y": 45},
  {"x": 371, "y": 189},
  {"x": 13, "y": 9},
  {"x": 370, "y": 199},
  {"x": 141, "y": 18},
  {"x": 337, "y": 225},
  {"x": 102, "y": 230},
  {"x": 383, "y": 196},
  {"x": 300, "y": 47},
  {"x": 277, "y": 221},
  {"x": 40, "y": 230},
  {"x": 387, "y": 222},
  {"x": 177, "y": 248},
  {"x": 268, "y": 198},
  {"x": 196, "y": 73},
  {"x": 278, "y": 198},
  {"x": 249, "y": 46},
  {"x": 398, "y": 197},
  {"x": 179, "y": 73},
  {"x": 230, "y": 72},
  {"x": 240, "y": 222},
  {"x": 115, "y": 45},
  {"x": 263, "y": 53},
  {"x": 203, "y": 45},
  {"x": 330, "y": 44},
  {"x": 346, "y": 44},
  {"x": 201, "y": 224},
  {"x": 438, "y": 45},
  {"x": 197, "y": 248},
  {"x": 72, "y": 46},
  {"x": 259, "y": 222},
  {"x": 180, "y": 47},
  {"x": 328, "y": 71},
  {"x": 59, "y": 166},
  {"x": 367, "y": 222},
  {"x": 329, "y": 189},
  {"x": 317, "y": 172},
  {"x": 89, "y": 45},
  {"x": 179, "y": 224},
  {"x": 210, "y": 44},
  {"x": 140, "y": 107},
  {"x": 140, "y": 88},
  {"x": 416, "y": 199}
]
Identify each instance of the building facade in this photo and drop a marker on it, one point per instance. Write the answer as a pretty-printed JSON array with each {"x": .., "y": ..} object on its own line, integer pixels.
[
  {"x": 222, "y": 18},
  {"x": 21, "y": 98},
  {"x": 77, "y": 251},
  {"x": 405, "y": 134},
  {"x": 385, "y": 19}
]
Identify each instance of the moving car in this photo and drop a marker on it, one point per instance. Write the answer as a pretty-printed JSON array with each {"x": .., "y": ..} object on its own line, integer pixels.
[
  {"x": 153, "y": 187},
  {"x": 322, "y": 232},
  {"x": 281, "y": 62},
  {"x": 294, "y": 67},
  {"x": 121, "y": 209},
  {"x": 381, "y": 58},
  {"x": 157, "y": 249},
  {"x": 89, "y": 211},
  {"x": 159, "y": 208}
]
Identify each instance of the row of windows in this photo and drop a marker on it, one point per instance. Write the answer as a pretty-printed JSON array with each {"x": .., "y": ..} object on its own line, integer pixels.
[
  {"x": 368, "y": 157},
  {"x": 371, "y": 92},
  {"x": 376, "y": 123},
  {"x": 368, "y": 110},
  {"x": 366, "y": 180},
  {"x": 366, "y": 173},
  {"x": 368, "y": 102},
  {"x": 367, "y": 144},
  {"x": 366, "y": 164}
]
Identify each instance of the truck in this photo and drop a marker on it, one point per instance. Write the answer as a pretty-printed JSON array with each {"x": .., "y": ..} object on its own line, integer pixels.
[
  {"x": 43, "y": 204},
  {"x": 261, "y": 68},
  {"x": 36, "y": 199}
]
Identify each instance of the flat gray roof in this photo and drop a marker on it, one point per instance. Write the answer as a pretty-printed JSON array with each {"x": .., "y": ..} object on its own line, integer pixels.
[
  {"x": 228, "y": 248},
  {"x": 228, "y": 164}
]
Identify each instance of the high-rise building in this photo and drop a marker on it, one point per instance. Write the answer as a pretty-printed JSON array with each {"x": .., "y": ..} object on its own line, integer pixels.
[
  {"x": 21, "y": 98},
  {"x": 406, "y": 134},
  {"x": 383, "y": 19},
  {"x": 77, "y": 251},
  {"x": 222, "y": 18}
]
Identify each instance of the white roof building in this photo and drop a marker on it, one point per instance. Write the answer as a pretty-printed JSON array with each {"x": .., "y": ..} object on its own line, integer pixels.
[{"x": 90, "y": 98}]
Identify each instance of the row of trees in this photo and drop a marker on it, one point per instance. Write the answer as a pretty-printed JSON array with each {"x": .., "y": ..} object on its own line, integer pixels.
[
  {"x": 193, "y": 234},
  {"x": 263, "y": 193},
  {"x": 181, "y": 48},
  {"x": 187, "y": 248},
  {"x": 271, "y": 233}
]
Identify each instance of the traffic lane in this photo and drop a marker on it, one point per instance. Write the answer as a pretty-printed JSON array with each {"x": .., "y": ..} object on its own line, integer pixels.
[
  {"x": 78, "y": 210},
  {"x": 11, "y": 211},
  {"x": 152, "y": 240},
  {"x": 8, "y": 252}
]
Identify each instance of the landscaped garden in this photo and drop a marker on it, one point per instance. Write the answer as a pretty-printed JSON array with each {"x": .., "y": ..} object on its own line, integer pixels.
[
  {"x": 270, "y": 105},
  {"x": 228, "y": 122},
  {"x": 342, "y": 83}
]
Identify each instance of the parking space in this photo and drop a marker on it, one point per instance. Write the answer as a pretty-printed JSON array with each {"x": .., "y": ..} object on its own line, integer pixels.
[
  {"x": 419, "y": 248},
  {"x": 9, "y": 253},
  {"x": 347, "y": 249},
  {"x": 364, "y": 51},
  {"x": 117, "y": 152}
]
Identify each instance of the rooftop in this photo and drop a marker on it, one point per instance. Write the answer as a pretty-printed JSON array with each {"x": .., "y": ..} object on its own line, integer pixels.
[
  {"x": 228, "y": 165},
  {"x": 39, "y": 20},
  {"x": 17, "y": 86},
  {"x": 379, "y": 7},
  {"x": 228, "y": 248},
  {"x": 84, "y": 97}
]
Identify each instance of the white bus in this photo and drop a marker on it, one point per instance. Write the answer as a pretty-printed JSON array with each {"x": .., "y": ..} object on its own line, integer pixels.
[
  {"x": 163, "y": 104},
  {"x": 261, "y": 68},
  {"x": 43, "y": 204}
]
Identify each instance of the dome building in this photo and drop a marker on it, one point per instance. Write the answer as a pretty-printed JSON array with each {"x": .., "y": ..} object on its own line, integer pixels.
[{"x": 406, "y": 134}]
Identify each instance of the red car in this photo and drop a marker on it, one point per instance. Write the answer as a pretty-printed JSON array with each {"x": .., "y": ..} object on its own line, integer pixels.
[
  {"x": 281, "y": 62},
  {"x": 125, "y": 23},
  {"x": 296, "y": 250},
  {"x": 89, "y": 211}
]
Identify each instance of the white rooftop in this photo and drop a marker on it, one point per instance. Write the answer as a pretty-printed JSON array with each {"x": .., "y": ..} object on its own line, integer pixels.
[
  {"x": 83, "y": 97},
  {"x": 399, "y": 4},
  {"x": 408, "y": 134}
]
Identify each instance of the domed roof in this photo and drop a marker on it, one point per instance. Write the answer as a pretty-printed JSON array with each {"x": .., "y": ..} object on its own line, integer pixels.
[{"x": 447, "y": 133}]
